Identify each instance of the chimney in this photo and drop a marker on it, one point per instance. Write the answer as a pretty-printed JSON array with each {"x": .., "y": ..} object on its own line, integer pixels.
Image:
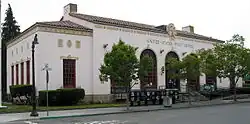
[
  {"x": 70, "y": 8},
  {"x": 189, "y": 29}
]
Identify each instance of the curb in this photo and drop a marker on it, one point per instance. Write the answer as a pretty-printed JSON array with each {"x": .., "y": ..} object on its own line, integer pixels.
[
  {"x": 133, "y": 111},
  {"x": 60, "y": 109}
]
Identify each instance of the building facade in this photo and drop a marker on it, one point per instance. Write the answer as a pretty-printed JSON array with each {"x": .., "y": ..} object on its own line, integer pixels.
[{"x": 74, "y": 48}]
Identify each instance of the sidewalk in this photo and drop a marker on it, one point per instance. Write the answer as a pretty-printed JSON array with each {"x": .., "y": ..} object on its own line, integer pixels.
[{"x": 115, "y": 110}]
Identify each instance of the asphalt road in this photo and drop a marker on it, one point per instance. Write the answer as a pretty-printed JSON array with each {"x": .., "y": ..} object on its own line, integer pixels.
[{"x": 227, "y": 114}]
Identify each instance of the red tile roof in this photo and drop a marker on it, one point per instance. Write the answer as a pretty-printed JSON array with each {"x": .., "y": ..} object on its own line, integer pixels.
[{"x": 137, "y": 26}]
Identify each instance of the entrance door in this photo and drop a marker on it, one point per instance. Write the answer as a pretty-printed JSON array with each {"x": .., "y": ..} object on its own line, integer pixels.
[
  {"x": 194, "y": 84},
  {"x": 69, "y": 73},
  {"x": 211, "y": 80},
  {"x": 171, "y": 83}
]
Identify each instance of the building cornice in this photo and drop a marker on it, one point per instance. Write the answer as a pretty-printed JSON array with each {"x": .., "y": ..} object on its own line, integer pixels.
[{"x": 45, "y": 28}]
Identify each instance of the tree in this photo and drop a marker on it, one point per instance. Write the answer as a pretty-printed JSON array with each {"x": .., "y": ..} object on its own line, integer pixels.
[
  {"x": 122, "y": 66},
  {"x": 237, "y": 39},
  {"x": 208, "y": 62},
  {"x": 10, "y": 30},
  {"x": 188, "y": 69},
  {"x": 229, "y": 60}
]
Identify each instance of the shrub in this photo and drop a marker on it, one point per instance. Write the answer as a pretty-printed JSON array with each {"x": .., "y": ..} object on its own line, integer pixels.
[
  {"x": 71, "y": 96},
  {"x": 62, "y": 97},
  {"x": 52, "y": 96},
  {"x": 246, "y": 85},
  {"x": 17, "y": 91},
  {"x": 217, "y": 93},
  {"x": 21, "y": 90},
  {"x": 243, "y": 90}
]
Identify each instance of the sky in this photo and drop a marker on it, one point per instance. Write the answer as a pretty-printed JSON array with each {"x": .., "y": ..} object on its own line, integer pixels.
[{"x": 214, "y": 18}]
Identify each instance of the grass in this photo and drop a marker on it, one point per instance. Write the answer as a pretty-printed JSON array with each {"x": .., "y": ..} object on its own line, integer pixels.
[{"x": 25, "y": 108}]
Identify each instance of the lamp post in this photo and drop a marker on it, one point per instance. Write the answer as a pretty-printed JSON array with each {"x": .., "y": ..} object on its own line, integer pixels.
[{"x": 34, "y": 112}]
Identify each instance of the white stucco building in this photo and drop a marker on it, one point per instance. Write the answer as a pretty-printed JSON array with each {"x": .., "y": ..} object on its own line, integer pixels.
[{"x": 74, "y": 48}]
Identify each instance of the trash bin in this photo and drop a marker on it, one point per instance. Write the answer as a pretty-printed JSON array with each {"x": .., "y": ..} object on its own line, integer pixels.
[{"x": 167, "y": 99}]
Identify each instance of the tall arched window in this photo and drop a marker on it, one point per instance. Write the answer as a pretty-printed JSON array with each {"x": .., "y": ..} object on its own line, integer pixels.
[
  {"x": 151, "y": 78},
  {"x": 171, "y": 83}
]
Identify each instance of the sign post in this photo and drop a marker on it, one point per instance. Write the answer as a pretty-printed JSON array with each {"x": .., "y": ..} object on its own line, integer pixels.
[{"x": 47, "y": 69}]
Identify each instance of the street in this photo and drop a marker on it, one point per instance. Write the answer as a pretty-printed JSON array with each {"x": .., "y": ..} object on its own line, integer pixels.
[{"x": 226, "y": 114}]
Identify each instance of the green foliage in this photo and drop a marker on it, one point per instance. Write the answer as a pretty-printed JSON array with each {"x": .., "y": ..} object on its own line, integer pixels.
[
  {"x": 246, "y": 85},
  {"x": 21, "y": 90},
  {"x": 122, "y": 66},
  {"x": 243, "y": 90},
  {"x": 208, "y": 62},
  {"x": 237, "y": 39},
  {"x": 10, "y": 30},
  {"x": 145, "y": 66},
  {"x": 61, "y": 97},
  {"x": 70, "y": 96},
  {"x": 52, "y": 97},
  {"x": 10, "y": 27},
  {"x": 188, "y": 68},
  {"x": 228, "y": 60},
  {"x": 247, "y": 77}
]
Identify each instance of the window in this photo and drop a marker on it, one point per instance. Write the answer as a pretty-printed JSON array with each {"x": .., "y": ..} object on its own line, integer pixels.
[
  {"x": 151, "y": 78},
  {"x": 22, "y": 73},
  {"x": 12, "y": 75},
  {"x": 69, "y": 74},
  {"x": 17, "y": 76},
  {"x": 28, "y": 72}
]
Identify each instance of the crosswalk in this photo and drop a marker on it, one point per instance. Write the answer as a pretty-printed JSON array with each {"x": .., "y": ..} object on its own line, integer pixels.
[
  {"x": 106, "y": 122},
  {"x": 93, "y": 122},
  {"x": 29, "y": 122}
]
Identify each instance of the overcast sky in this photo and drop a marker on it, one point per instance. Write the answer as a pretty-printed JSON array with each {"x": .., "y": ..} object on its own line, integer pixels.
[{"x": 216, "y": 18}]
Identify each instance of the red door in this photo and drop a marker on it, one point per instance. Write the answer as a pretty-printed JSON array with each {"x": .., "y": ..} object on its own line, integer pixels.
[{"x": 69, "y": 73}]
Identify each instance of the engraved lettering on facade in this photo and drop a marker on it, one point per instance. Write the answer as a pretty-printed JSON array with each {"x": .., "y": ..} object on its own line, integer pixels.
[{"x": 169, "y": 43}]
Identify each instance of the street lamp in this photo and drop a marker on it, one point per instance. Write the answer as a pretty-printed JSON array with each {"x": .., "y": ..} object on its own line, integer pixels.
[{"x": 34, "y": 112}]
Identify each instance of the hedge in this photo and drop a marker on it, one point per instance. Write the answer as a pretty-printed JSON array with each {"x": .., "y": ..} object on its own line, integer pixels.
[
  {"x": 226, "y": 92},
  {"x": 21, "y": 90},
  {"x": 246, "y": 85},
  {"x": 61, "y": 97},
  {"x": 243, "y": 90},
  {"x": 52, "y": 97}
]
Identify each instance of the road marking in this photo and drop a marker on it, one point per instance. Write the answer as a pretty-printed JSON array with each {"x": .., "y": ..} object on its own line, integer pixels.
[
  {"x": 103, "y": 122},
  {"x": 29, "y": 122}
]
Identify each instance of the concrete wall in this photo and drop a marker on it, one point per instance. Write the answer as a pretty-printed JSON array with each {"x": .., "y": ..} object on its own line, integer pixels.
[
  {"x": 50, "y": 53},
  {"x": 144, "y": 40},
  {"x": 17, "y": 52}
]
